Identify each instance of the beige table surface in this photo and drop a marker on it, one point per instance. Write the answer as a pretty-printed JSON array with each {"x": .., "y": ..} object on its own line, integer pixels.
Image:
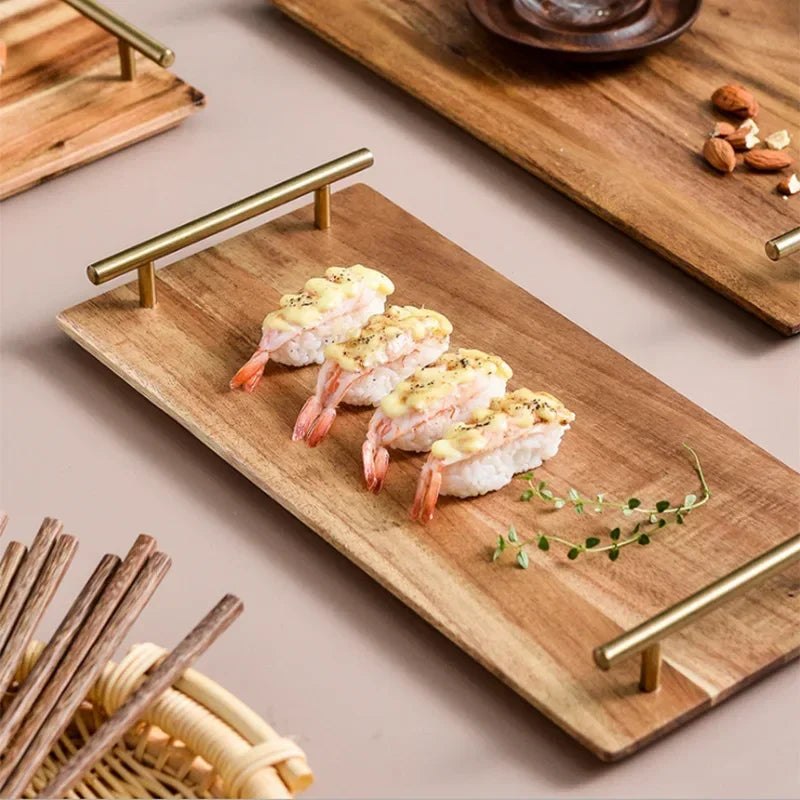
[{"x": 384, "y": 706}]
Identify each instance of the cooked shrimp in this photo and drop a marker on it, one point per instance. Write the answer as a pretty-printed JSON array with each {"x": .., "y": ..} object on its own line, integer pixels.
[
  {"x": 363, "y": 370},
  {"x": 328, "y": 310},
  {"x": 516, "y": 433},
  {"x": 419, "y": 410}
]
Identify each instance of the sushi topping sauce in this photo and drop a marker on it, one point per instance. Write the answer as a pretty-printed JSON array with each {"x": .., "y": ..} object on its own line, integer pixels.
[
  {"x": 322, "y": 295},
  {"x": 370, "y": 348},
  {"x": 511, "y": 414},
  {"x": 431, "y": 384}
]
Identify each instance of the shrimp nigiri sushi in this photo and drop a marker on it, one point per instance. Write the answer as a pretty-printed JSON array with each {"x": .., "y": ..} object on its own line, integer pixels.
[
  {"x": 329, "y": 309},
  {"x": 515, "y": 434},
  {"x": 420, "y": 409},
  {"x": 363, "y": 370}
]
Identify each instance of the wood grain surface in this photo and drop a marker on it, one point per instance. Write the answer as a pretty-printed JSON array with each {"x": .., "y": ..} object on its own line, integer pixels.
[
  {"x": 623, "y": 141},
  {"x": 534, "y": 629},
  {"x": 62, "y": 103}
]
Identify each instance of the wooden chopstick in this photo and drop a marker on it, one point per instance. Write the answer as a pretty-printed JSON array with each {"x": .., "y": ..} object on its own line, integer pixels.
[
  {"x": 124, "y": 616},
  {"x": 25, "y": 577},
  {"x": 90, "y": 630},
  {"x": 42, "y": 591},
  {"x": 153, "y": 686},
  {"x": 54, "y": 650},
  {"x": 15, "y": 552},
  {"x": 3, "y": 522}
]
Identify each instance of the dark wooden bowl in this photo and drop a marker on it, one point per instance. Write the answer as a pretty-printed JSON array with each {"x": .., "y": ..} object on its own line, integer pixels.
[{"x": 653, "y": 25}]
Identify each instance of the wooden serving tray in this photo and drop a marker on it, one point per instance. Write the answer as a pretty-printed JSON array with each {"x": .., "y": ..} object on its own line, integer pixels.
[
  {"x": 62, "y": 102},
  {"x": 623, "y": 141},
  {"x": 534, "y": 629}
]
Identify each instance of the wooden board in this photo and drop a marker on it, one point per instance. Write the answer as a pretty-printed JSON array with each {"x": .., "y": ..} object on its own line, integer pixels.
[
  {"x": 536, "y": 629},
  {"x": 62, "y": 102},
  {"x": 623, "y": 141}
]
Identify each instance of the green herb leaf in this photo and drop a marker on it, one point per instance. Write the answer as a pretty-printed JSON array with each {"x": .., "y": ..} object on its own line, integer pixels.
[
  {"x": 544, "y": 543},
  {"x": 615, "y": 534},
  {"x": 634, "y": 502},
  {"x": 653, "y": 519},
  {"x": 541, "y": 485},
  {"x": 526, "y": 476},
  {"x": 679, "y": 518},
  {"x": 498, "y": 551},
  {"x": 627, "y": 511},
  {"x": 662, "y": 523},
  {"x": 579, "y": 508},
  {"x": 573, "y": 554},
  {"x": 526, "y": 496},
  {"x": 636, "y": 527},
  {"x": 613, "y": 554},
  {"x": 689, "y": 500},
  {"x": 559, "y": 503},
  {"x": 644, "y": 539},
  {"x": 512, "y": 534},
  {"x": 522, "y": 559},
  {"x": 501, "y": 543},
  {"x": 662, "y": 506},
  {"x": 573, "y": 495},
  {"x": 592, "y": 541},
  {"x": 547, "y": 494}
]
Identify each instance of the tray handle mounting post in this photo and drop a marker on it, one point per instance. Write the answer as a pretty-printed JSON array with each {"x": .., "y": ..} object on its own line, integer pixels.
[
  {"x": 645, "y": 639},
  {"x": 783, "y": 245},
  {"x": 130, "y": 38},
  {"x": 141, "y": 257}
]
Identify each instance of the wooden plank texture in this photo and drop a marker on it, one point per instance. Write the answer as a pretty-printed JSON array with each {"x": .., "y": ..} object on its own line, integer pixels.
[
  {"x": 621, "y": 140},
  {"x": 62, "y": 102},
  {"x": 536, "y": 629}
]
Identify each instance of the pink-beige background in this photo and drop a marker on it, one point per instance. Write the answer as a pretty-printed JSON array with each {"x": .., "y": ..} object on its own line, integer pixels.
[{"x": 384, "y": 706}]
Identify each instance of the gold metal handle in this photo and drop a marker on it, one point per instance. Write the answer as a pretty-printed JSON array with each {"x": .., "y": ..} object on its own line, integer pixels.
[
  {"x": 646, "y": 638},
  {"x": 783, "y": 245},
  {"x": 141, "y": 256},
  {"x": 129, "y": 37}
]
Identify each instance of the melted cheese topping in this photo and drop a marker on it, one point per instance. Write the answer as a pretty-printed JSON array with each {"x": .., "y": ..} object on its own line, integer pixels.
[
  {"x": 321, "y": 295},
  {"x": 518, "y": 409},
  {"x": 430, "y": 384},
  {"x": 369, "y": 347}
]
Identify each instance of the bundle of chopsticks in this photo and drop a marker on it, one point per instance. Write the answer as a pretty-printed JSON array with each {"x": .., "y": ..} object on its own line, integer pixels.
[{"x": 94, "y": 626}]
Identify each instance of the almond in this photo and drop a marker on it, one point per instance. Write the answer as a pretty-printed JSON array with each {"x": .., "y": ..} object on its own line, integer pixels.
[
  {"x": 722, "y": 129},
  {"x": 778, "y": 140},
  {"x": 735, "y": 99},
  {"x": 742, "y": 139},
  {"x": 789, "y": 186},
  {"x": 719, "y": 155},
  {"x": 766, "y": 160},
  {"x": 749, "y": 126}
]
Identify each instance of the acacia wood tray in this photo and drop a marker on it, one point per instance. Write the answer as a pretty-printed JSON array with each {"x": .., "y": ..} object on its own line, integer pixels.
[
  {"x": 62, "y": 101},
  {"x": 624, "y": 141},
  {"x": 534, "y": 629}
]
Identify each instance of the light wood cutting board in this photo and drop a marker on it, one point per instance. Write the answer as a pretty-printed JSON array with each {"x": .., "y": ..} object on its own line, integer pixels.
[
  {"x": 62, "y": 103},
  {"x": 534, "y": 629},
  {"x": 624, "y": 140}
]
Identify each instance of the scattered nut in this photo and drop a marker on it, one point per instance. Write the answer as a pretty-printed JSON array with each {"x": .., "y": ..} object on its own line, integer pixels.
[
  {"x": 749, "y": 125},
  {"x": 778, "y": 140},
  {"x": 735, "y": 99},
  {"x": 766, "y": 160},
  {"x": 719, "y": 154},
  {"x": 722, "y": 129},
  {"x": 742, "y": 139},
  {"x": 789, "y": 186}
]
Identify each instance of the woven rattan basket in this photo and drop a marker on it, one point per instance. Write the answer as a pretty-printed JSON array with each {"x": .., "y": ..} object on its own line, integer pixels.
[{"x": 197, "y": 740}]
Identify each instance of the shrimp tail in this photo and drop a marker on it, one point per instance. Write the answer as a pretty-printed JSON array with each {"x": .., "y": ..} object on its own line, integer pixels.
[
  {"x": 308, "y": 415},
  {"x": 376, "y": 464},
  {"x": 319, "y": 430},
  {"x": 428, "y": 487},
  {"x": 249, "y": 375}
]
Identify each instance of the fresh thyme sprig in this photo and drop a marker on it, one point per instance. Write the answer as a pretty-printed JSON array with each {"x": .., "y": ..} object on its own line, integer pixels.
[{"x": 662, "y": 514}]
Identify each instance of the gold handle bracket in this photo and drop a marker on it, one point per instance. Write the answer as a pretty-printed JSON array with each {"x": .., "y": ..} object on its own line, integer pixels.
[
  {"x": 129, "y": 37},
  {"x": 141, "y": 257},
  {"x": 783, "y": 245},
  {"x": 646, "y": 638}
]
